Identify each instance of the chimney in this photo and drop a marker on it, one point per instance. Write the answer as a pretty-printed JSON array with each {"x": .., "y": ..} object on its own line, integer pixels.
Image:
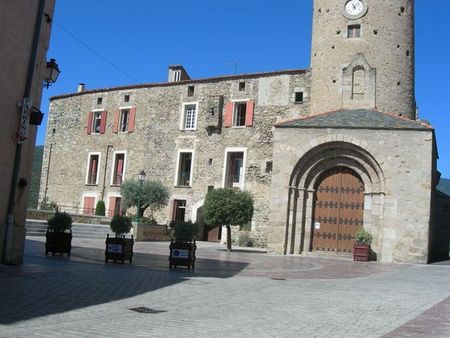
[
  {"x": 177, "y": 73},
  {"x": 81, "y": 88}
]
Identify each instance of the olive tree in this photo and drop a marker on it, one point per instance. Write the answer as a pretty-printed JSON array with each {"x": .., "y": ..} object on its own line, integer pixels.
[
  {"x": 226, "y": 207},
  {"x": 151, "y": 194}
]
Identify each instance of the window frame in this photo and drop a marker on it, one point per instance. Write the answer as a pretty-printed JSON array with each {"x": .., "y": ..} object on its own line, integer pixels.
[
  {"x": 90, "y": 154},
  {"x": 225, "y": 165},
  {"x": 184, "y": 115},
  {"x": 237, "y": 104},
  {"x": 94, "y": 113},
  {"x": 176, "y": 206},
  {"x": 178, "y": 168},
  {"x": 113, "y": 167},
  {"x": 122, "y": 109},
  {"x": 302, "y": 94},
  {"x": 354, "y": 28}
]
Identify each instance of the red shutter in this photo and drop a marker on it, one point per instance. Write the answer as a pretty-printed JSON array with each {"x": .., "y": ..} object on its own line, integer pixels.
[
  {"x": 103, "y": 123},
  {"x": 249, "y": 113},
  {"x": 88, "y": 205},
  {"x": 228, "y": 120},
  {"x": 116, "y": 121},
  {"x": 112, "y": 206},
  {"x": 89, "y": 123},
  {"x": 131, "y": 120}
]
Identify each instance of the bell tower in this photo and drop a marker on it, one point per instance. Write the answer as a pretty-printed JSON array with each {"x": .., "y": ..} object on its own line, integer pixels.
[{"x": 362, "y": 56}]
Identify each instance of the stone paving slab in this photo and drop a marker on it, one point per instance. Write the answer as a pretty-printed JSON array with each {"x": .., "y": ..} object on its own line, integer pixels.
[{"x": 84, "y": 297}]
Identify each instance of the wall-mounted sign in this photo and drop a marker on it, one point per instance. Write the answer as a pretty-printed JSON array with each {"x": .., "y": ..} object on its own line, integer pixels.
[{"x": 317, "y": 225}]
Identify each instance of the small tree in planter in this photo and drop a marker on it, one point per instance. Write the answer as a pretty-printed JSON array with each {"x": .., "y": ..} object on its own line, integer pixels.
[
  {"x": 59, "y": 234},
  {"x": 361, "y": 249},
  {"x": 119, "y": 248},
  {"x": 182, "y": 246},
  {"x": 228, "y": 206}
]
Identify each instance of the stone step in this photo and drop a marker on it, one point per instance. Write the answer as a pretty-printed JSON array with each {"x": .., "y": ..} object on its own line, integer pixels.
[{"x": 94, "y": 231}]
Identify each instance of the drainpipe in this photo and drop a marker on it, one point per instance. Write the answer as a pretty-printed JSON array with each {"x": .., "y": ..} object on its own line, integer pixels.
[
  {"x": 104, "y": 172},
  {"x": 7, "y": 245}
]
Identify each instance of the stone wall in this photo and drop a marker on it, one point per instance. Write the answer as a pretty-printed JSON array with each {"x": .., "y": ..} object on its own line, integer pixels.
[
  {"x": 157, "y": 139},
  {"x": 398, "y": 184}
]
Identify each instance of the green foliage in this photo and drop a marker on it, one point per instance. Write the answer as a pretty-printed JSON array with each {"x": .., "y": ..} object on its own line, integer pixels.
[
  {"x": 100, "y": 208},
  {"x": 149, "y": 221},
  {"x": 61, "y": 221},
  {"x": 245, "y": 240},
  {"x": 153, "y": 195},
  {"x": 48, "y": 205},
  {"x": 228, "y": 206},
  {"x": 185, "y": 231},
  {"x": 33, "y": 193},
  {"x": 363, "y": 237},
  {"x": 120, "y": 224}
]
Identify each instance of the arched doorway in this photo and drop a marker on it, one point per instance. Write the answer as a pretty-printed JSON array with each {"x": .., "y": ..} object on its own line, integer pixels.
[{"x": 338, "y": 210}]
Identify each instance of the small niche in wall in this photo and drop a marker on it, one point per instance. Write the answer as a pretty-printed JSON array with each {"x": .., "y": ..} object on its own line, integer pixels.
[
  {"x": 190, "y": 91},
  {"x": 241, "y": 86},
  {"x": 269, "y": 166},
  {"x": 99, "y": 101},
  {"x": 298, "y": 97},
  {"x": 126, "y": 98}
]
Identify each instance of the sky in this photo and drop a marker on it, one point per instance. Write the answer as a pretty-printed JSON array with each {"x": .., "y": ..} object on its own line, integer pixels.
[{"x": 107, "y": 43}]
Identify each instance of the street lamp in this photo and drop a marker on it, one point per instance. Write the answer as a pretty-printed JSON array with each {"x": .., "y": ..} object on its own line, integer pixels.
[
  {"x": 52, "y": 73},
  {"x": 141, "y": 179}
]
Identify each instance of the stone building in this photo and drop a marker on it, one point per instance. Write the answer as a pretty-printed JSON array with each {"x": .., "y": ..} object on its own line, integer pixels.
[
  {"x": 25, "y": 33},
  {"x": 324, "y": 150}
]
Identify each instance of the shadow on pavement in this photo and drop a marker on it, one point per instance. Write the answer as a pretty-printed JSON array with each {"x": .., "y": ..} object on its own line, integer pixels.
[{"x": 50, "y": 285}]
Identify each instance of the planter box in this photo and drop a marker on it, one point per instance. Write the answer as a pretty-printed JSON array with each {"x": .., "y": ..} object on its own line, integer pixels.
[
  {"x": 182, "y": 254},
  {"x": 119, "y": 248},
  {"x": 361, "y": 252},
  {"x": 58, "y": 242}
]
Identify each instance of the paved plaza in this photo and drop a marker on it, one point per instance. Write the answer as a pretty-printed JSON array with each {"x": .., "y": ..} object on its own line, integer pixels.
[{"x": 245, "y": 293}]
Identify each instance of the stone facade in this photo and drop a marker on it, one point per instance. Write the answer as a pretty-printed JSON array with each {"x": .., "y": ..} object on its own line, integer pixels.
[{"x": 353, "y": 113}]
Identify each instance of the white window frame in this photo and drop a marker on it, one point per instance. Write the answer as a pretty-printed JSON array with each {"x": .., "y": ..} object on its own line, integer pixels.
[
  {"x": 95, "y": 112},
  {"x": 88, "y": 165},
  {"x": 177, "y": 75},
  {"x": 177, "y": 170},
  {"x": 235, "y": 102},
  {"x": 114, "y": 166},
  {"x": 183, "y": 115},
  {"x": 121, "y": 109},
  {"x": 244, "y": 164}
]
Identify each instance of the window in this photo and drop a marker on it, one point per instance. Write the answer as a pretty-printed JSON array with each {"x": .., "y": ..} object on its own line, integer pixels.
[
  {"x": 269, "y": 166},
  {"x": 190, "y": 91},
  {"x": 99, "y": 101},
  {"x": 93, "y": 165},
  {"x": 176, "y": 75},
  {"x": 241, "y": 86},
  {"x": 115, "y": 206},
  {"x": 299, "y": 97},
  {"x": 190, "y": 116},
  {"x": 354, "y": 31},
  {"x": 118, "y": 168},
  {"x": 240, "y": 111},
  {"x": 184, "y": 169},
  {"x": 239, "y": 114},
  {"x": 358, "y": 85},
  {"x": 124, "y": 120},
  {"x": 97, "y": 122},
  {"x": 179, "y": 210},
  {"x": 234, "y": 175},
  {"x": 126, "y": 98}
]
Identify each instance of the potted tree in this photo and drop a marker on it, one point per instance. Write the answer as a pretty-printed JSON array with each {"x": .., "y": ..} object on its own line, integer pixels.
[
  {"x": 182, "y": 245},
  {"x": 119, "y": 248},
  {"x": 361, "y": 249},
  {"x": 59, "y": 234}
]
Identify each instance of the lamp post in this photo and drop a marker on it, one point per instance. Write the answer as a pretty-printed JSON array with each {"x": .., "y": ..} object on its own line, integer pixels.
[
  {"x": 52, "y": 73},
  {"x": 141, "y": 179}
]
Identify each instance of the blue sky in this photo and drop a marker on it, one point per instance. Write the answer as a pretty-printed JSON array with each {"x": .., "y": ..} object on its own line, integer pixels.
[{"x": 142, "y": 37}]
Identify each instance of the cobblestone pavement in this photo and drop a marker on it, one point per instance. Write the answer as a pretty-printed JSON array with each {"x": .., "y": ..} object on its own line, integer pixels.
[{"x": 246, "y": 293}]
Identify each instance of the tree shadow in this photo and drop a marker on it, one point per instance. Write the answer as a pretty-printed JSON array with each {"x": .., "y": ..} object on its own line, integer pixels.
[{"x": 51, "y": 285}]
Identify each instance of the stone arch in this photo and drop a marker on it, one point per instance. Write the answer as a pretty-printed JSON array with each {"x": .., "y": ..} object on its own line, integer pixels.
[{"x": 303, "y": 181}]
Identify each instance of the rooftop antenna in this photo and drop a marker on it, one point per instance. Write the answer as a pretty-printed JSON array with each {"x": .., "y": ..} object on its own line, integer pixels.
[{"x": 235, "y": 63}]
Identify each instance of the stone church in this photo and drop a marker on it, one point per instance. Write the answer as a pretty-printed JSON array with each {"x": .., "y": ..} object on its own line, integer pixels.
[{"x": 323, "y": 150}]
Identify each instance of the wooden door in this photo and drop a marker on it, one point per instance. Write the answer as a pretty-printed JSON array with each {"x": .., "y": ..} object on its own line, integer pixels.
[
  {"x": 338, "y": 210},
  {"x": 89, "y": 206}
]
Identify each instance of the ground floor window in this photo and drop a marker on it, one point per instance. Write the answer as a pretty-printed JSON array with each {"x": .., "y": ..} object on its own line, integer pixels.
[
  {"x": 234, "y": 175},
  {"x": 179, "y": 210}
]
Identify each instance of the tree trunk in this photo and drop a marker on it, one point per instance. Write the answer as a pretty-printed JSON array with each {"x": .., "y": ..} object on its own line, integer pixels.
[{"x": 228, "y": 238}]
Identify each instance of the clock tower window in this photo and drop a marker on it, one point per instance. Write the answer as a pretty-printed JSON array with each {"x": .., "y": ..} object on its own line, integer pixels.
[{"x": 354, "y": 31}]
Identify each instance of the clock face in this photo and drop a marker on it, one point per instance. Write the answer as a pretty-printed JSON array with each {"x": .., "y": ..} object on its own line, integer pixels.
[{"x": 354, "y": 9}]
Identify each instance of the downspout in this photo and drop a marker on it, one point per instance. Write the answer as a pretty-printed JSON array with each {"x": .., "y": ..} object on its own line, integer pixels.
[
  {"x": 104, "y": 172},
  {"x": 6, "y": 255}
]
